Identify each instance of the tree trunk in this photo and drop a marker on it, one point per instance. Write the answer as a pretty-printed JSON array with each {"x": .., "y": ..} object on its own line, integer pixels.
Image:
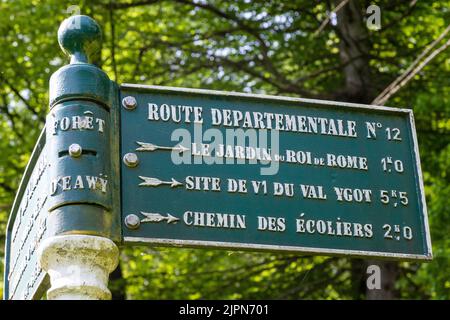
[
  {"x": 117, "y": 284},
  {"x": 354, "y": 49},
  {"x": 389, "y": 274}
]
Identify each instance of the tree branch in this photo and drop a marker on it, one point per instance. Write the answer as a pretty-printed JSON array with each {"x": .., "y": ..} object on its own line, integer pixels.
[
  {"x": 120, "y": 6},
  {"x": 19, "y": 95},
  {"x": 413, "y": 69},
  {"x": 328, "y": 18}
]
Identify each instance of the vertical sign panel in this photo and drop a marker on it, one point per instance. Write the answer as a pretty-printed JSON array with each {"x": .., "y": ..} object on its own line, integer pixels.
[{"x": 27, "y": 227}]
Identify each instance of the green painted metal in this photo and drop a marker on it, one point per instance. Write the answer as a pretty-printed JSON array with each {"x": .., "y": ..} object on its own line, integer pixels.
[
  {"x": 178, "y": 201},
  {"x": 83, "y": 81},
  {"x": 76, "y": 190},
  {"x": 27, "y": 227},
  {"x": 83, "y": 177},
  {"x": 81, "y": 98},
  {"x": 94, "y": 161},
  {"x": 80, "y": 37}
]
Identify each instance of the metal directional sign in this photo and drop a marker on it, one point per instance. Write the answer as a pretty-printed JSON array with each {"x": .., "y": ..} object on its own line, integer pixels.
[
  {"x": 199, "y": 168},
  {"x": 213, "y": 169},
  {"x": 27, "y": 227}
]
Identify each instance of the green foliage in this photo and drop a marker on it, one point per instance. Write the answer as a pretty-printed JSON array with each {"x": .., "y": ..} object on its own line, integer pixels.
[
  {"x": 207, "y": 274},
  {"x": 251, "y": 46}
]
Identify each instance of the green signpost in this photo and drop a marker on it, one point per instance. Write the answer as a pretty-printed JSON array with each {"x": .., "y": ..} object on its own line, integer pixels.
[
  {"x": 208, "y": 170},
  {"x": 198, "y": 168}
]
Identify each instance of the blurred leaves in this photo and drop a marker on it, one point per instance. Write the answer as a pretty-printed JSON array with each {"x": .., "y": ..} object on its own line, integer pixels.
[{"x": 248, "y": 46}]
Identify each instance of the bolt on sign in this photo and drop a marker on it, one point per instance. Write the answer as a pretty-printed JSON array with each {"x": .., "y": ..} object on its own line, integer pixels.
[
  {"x": 213, "y": 169},
  {"x": 197, "y": 168}
]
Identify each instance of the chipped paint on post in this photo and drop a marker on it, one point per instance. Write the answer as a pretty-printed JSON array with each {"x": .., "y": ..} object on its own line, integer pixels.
[{"x": 78, "y": 266}]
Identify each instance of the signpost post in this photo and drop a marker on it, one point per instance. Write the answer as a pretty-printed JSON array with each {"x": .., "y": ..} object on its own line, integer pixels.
[
  {"x": 66, "y": 223},
  {"x": 197, "y": 168}
]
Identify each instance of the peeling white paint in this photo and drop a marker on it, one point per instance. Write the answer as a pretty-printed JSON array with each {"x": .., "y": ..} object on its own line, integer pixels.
[{"x": 79, "y": 266}]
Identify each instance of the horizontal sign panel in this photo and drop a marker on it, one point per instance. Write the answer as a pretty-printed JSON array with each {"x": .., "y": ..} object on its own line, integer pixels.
[
  {"x": 27, "y": 227},
  {"x": 206, "y": 168}
]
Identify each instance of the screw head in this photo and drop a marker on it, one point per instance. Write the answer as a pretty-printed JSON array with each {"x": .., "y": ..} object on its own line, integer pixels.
[
  {"x": 75, "y": 150},
  {"x": 129, "y": 102},
  {"x": 132, "y": 221},
  {"x": 131, "y": 160}
]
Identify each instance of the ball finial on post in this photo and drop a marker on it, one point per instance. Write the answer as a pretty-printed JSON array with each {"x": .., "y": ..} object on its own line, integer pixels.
[{"x": 80, "y": 37}]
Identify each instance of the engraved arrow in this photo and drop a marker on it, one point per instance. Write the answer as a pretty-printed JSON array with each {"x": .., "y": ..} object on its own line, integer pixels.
[
  {"x": 154, "y": 182},
  {"x": 156, "y": 217},
  {"x": 144, "y": 146}
]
